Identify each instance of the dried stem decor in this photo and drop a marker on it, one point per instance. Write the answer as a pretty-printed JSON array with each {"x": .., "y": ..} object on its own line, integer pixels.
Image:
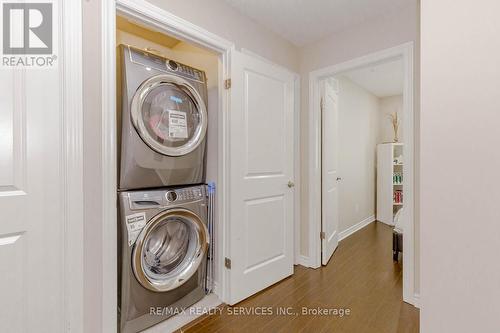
[{"x": 395, "y": 124}]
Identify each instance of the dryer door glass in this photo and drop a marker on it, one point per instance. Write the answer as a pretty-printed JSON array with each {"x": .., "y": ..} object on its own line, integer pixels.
[
  {"x": 169, "y": 250},
  {"x": 169, "y": 116}
]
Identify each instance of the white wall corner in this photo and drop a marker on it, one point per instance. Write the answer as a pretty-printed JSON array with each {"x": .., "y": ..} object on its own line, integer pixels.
[
  {"x": 416, "y": 300},
  {"x": 358, "y": 226},
  {"x": 302, "y": 261}
]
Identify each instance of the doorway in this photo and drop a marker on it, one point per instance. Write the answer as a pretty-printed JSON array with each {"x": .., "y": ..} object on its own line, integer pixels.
[
  {"x": 242, "y": 78},
  {"x": 326, "y": 179}
]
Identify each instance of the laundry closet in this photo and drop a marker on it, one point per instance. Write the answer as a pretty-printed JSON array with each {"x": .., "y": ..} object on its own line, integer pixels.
[
  {"x": 167, "y": 107},
  {"x": 205, "y": 170}
]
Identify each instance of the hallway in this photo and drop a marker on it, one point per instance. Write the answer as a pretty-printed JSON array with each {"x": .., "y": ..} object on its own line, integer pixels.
[{"x": 361, "y": 278}]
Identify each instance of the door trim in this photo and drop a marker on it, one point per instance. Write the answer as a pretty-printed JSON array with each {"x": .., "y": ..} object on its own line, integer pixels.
[
  {"x": 161, "y": 20},
  {"x": 71, "y": 102},
  {"x": 406, "y": 52}
]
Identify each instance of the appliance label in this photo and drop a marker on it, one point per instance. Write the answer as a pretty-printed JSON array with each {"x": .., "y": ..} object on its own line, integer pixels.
[
  {"x": 177, "y": 124},
  {"x": 135, "y": 223}
]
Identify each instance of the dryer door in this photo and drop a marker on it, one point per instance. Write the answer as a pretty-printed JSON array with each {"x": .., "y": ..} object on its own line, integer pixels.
[
  {"x": 169, "y": 115},
  {"x": 169, "y": 250}
]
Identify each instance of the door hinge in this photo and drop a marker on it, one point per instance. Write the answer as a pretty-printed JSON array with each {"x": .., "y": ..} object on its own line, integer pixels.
[
  {"x": 227, "y": 263},
  {"x": 227, "y": 83},
  {"x": 322, "y": 235}
]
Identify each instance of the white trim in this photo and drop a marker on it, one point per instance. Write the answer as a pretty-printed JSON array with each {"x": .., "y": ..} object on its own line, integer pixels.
[
  {"x": 109, "y": 168},
  {"x": 409, "y": 174},
  {"x": 161, "y": 20},
  {"x": 416, "y": 300},
  {"x": 406, "y": 52},
  {"x": 358, "y": 226},
  {"x": 296, "y": 173},
  {"x": 390, "y": 225},
  {"x": 258, "y": 56},
  {"x": 314, "y": 173},
  {"x": 71, "y": 78},
  {"x": 144, "y": 12},
  {"x": 302, "y": 260}
]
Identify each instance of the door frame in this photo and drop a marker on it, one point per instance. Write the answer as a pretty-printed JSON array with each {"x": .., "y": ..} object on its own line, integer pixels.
[
  {"x": 406, "y": 52},
  {"x": 162, "y": 20},
  {"x": 71, "y": 145}
]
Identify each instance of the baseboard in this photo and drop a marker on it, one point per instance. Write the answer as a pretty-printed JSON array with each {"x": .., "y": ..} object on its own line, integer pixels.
[
  {"x": 356, "y": 227},
  {"x": 303, "y": 261},
  {"x": 216, "y": 288},
  {"x": 416, "y": 300},
  {"x": 389, "y": 224}
]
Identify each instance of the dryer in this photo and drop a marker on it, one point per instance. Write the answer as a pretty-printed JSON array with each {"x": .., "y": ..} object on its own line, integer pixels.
[
  {"x": 164, "y": 121},
  {"x": 162, "y": 254}
]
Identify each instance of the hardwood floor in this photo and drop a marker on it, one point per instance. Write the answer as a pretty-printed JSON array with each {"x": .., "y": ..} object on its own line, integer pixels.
[{"x": 361, "y": 277}]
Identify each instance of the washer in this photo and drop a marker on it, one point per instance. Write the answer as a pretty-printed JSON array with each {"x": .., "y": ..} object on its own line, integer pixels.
[
  {"x": 162, "y": 254},
  {"x": 164, "y": 121}
]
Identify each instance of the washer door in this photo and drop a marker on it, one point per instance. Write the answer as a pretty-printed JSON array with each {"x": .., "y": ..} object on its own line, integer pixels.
[
  {"x": 169, "y": 250},
  {"x": 169, "y": 115}
]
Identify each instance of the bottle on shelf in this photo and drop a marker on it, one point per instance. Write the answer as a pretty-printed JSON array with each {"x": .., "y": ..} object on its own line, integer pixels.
[{"x": 398, "y": 197}]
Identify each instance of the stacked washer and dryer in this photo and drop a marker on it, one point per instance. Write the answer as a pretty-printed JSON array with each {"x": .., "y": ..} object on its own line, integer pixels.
[{"x": 162, "y": 230}]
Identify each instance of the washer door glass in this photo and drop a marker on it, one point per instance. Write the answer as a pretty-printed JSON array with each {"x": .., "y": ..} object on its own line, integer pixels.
[
  {"x": 169, "y": 250},
  {"x": 169, "y": 115}
]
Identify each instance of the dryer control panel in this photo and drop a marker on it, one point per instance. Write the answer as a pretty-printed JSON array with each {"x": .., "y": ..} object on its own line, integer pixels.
[{"x": 151, "y": 60}]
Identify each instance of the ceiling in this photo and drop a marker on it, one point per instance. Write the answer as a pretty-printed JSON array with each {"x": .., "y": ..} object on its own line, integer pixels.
[
  {"x": 303, "y": 22},
  {"x": 382, "y": 80}
]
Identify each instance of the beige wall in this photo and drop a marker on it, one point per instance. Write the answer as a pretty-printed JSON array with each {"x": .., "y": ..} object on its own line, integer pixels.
[
  {"x": 460, "y": 119},
  {"x": 222, "y": 20},
  {"x": 390, "y": 30},
  {"x": 358, "y": 132}
]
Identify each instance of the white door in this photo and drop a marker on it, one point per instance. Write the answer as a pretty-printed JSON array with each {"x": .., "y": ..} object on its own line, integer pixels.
[
  {"x": 329, "y": 174},
  {"x": 261, "y": 185},
  {"x": 31, "y": 227}
]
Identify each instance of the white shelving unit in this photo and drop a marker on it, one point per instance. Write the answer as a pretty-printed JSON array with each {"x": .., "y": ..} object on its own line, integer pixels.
[{"x": 389, "y": 164}]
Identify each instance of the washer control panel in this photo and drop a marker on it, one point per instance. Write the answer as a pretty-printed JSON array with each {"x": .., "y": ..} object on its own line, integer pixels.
[
  {"x": 184, "y": 194},
  {"x": 171, "y": 196},
  {"x": 140, "y": 200}
]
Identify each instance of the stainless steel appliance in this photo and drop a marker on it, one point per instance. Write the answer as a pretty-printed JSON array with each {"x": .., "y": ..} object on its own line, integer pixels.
[
  {"x": 164, "y": 121},
  {"x": 162, "y": 254}
]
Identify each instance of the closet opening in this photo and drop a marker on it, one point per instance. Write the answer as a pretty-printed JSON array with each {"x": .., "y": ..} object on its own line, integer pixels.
[{"x": 168, "y": 143}]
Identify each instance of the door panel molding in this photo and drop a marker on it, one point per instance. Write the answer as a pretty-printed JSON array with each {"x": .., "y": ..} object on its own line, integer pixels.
[{"x": 13, "y": 154}]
